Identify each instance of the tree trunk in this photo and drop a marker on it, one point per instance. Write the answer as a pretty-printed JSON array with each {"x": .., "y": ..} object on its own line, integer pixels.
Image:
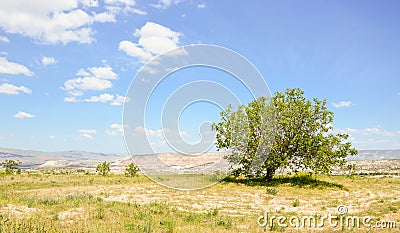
[{"x": 270, "y": 174}]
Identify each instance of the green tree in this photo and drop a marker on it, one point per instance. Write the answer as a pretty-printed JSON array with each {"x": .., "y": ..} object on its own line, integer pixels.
[
  {"x": 131, "y": 170},
  {"x": 284, "y": 131},
  {"x": 103, "y": 168},
  {"x": 11, "y": 166}
]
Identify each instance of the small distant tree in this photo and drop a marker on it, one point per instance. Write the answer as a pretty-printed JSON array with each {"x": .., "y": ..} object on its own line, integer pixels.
[
  {"x": 103, "y": 168},
  {"x": 11, "y": 166},
  {"x": 131, "y": 170}
]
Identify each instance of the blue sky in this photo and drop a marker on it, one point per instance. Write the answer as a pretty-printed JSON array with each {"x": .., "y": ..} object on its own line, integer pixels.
[{"x": 65, "y": 66}]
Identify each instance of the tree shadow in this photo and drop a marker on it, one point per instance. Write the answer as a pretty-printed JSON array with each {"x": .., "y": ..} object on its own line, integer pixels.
[{"x": 300, "y": 181}]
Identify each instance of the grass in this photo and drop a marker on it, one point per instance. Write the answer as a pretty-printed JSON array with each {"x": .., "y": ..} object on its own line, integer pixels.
[{"x": 80, "y": 202}]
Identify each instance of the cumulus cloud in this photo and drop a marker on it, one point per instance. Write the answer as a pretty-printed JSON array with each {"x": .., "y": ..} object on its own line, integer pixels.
[
  {"x": 10, "y": 89},
  {"x": 93, "y": 78},
  {"x": 342, "y": 104},
  {"x": 165, "y": 4},
  {"x": 86, "y": 133},
  {"x": 71, "y": 99},
  {"x": 48, "y": 61},
  {"x": 103, "y": 98},
  {"x": 154, "y": 39},
  {"x": 115, "y": 130},
  {"x": 4, "y": 39},
  {"x": 55, "y": 22},
  {"x": 115, "y": 100},
  {"x": 7, "y": 67},
  {"x": 160, "y": 132},
  {"x": 119, "y": 100},
  {"x": 125, "y": 6},
  {"x": 21, "y": 114},
  {"x": 201, "y": 5},
  {"x": 104, "y": 72},
  {"x": 369, "y": 131},
  {"x": 160, "y": 143},
  {"x": 75, "y": 87}
]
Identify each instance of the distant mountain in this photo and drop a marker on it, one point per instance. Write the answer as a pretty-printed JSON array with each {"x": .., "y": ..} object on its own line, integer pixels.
[
  {"x": 83, "y": 159},
  {"x": 376, "y": 155},
  {"x": 31, "y": 158}
]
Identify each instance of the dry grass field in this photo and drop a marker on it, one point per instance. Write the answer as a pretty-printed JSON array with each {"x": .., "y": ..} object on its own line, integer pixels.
[{"x": 80, "y": 202}]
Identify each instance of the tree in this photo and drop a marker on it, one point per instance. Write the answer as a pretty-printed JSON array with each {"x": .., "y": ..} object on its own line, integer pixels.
[
  {"x": 103, "y": 168},
  {"x": 131, "y": 170},
  {"x": 11, "y": 166},
  {"x": 284, "y": 131}
]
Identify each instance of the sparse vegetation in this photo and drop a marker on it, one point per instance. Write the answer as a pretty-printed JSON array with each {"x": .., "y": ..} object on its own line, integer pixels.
[
  {"x": 117, "y": 203},
  {"x": 296, "y": 203}
]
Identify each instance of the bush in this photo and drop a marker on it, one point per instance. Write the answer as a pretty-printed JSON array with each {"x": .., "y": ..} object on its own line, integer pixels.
[
  {"x": 272, "y": 191},
  {"x": 103, "y": 168},
  {"x": 131, "y": 170},
  {"x": 11, "y": 166}
]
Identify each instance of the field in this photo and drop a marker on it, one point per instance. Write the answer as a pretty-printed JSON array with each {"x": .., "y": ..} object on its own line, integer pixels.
[{"x": 80, "y": 202}]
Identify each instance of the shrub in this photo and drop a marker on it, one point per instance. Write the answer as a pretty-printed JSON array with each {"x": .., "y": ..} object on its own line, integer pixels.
[{"x": 131, "y": 170}]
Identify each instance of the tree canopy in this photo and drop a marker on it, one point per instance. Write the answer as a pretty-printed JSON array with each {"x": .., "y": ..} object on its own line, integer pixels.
[{"x": 284, "y": 131}]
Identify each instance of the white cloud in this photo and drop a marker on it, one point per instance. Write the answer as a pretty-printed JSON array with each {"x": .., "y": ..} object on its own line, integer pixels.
[
  {"x": 10, "y": 89},
  {"x": 139, "y": 12},
  {"x": 371, "y": 137},
  {"x": 116, "y": 100},
  {"x": 48, "y": 61},
  {"x": 115, "y": 130},
  {"x": 93, "y": 78},
  {"x": 103, "y": 98},
  {"x": 160, "y": 143},
  {"x": 65, "y": 21},
  {"x": 7, "y": 67},
  {"x": 4, "y": 39},
  {"x": 370, "y": 131},
  {"x": 160, "y": 132},
  {"x": 90, "y": 3},
  {"x": 342, "y": 104},
  {"x": 131, "y": 49},
  {"x": 70, "y": 99},
  {"x": 164, "y": 4},
  {"x": 104, "y": 17},
  {"x": 154, "y": 39},
  {"x": 201, "y": 5},
  {"x": 104, "y": 72},
  {"x": 87, "y": 83},
  {"x": 121, "y": 2},
  {"x": 86, "y": 133},
  {"x": 124, "y": 6},
  {"x": 21, "y": 114},
  {"x": 377, "y": 131},
  {"x": 119, "y": 100}
]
